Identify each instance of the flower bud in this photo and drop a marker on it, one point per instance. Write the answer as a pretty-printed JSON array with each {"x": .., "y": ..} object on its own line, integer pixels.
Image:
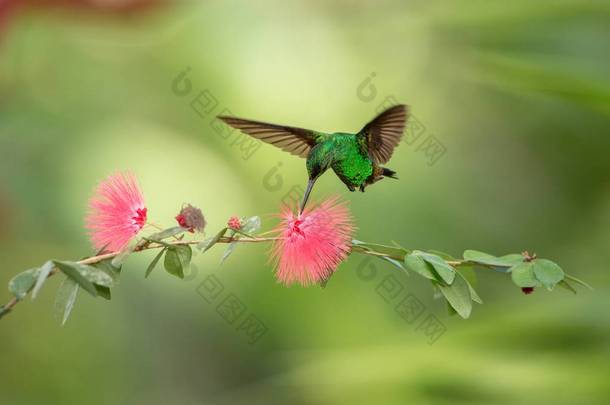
[
  {"x": 527, "y": 290},
  {"x": 234, "y": 223},
  {"x": 191, "y": 218}
]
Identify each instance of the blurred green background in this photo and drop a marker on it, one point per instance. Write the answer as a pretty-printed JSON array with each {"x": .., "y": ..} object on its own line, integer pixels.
[{"x": 518, "y": 93}]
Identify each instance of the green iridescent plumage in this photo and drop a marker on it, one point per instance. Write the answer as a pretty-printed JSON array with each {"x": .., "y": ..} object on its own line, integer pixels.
[
  {"x": 346, "y": 157},
  {"x": 355, "y": 158}
]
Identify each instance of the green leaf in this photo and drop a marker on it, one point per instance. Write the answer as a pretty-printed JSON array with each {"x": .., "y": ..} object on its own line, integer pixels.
[
  {"x": 394, "y": 262},
  {"x": 458, "y": 295},
  {"x": 177, "y": 258},
  {"x": 23, "y": 282},
  {"x": 65, "y": 298},
  {"x": 418, "y": 265},
  {"x": 112, "y": 271},
  {"x": 172, "y": 263},
  {"x": 444, "y": 270},
  {"x": 158, "y": 241},
  {"x": 489, "y": 260},
  {"x": 251, "y": 225},
  {"x": 154, "y": 262},
  {"x": 119, "y": 259},
  {"x": 385, "y": 249},
  {"x": 209, "y": 242},
  {"x": 473, "y": 295},
  {"x": 4, "y": 311},
  {"x": 512, "y": 259},
  {"x": 167, "y": 233},
  {"x": 467, "y": 271},
  {"x": 444, "y": 255},
  {"x": 523, "y": 275},
  {"x": 96, "y": 275},
  {"x": 103, "y": 292},
  {"x": 567, "y": 286},
  {"x": 547, "y": 272},
  {"x": 470, "y": 276},
  {"x": 43, "y": 274},
  {"x": 228, "y": 251},
  {"x": 107, "y": 267},
  {"x": 75, "y": 272},
  {"x": 579, "y": 281},
  {"x": 185, "y": 253},
  {"x": 450, "y": 310}
]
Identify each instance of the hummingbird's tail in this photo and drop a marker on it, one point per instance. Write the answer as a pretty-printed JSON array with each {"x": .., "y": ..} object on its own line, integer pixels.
[{"x": 389, "y": 173}]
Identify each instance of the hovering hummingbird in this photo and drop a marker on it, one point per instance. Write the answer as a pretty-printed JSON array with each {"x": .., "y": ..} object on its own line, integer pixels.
[{"x": 355, "y": 158}]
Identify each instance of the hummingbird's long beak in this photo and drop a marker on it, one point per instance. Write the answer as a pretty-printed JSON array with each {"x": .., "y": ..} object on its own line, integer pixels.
[{"x": 306, "y": 195}]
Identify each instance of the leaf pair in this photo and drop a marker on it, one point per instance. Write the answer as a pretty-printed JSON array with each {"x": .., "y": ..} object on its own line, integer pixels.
[
  {"x": 85, "y": 276},
  {"x": 456, "y": 289},
  {"x": 536, "y": 273},
  {"x": 526, "y": 273},
  {"x": 177, "y": 258},
  {"x": 96, "y": 279}
]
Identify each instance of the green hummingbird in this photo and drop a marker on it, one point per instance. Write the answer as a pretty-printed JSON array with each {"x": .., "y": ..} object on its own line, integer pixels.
[{"x": 355, "y": 158}]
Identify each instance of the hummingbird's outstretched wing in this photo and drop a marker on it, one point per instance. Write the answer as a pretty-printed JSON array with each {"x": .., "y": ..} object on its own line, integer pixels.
[
  {"x": 384, "y": 132},
  {"x": 297, "y": 141}
]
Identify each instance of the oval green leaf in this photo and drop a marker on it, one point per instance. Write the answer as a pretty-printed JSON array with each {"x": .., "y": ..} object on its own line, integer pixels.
[
  {"x": 578, "y": 281},
  {"x": 154, "y": 262},
  {"x": 395, "y": 251},
  {"x": 443, "y": 269},
  {"x": 65, "y": 298},
  {"x": 177, "y": 258},
  {"x": 547, "y": 272},
  {"x": 458, "y": 295},
  {"x": 73, "y": 271},
  {"x": 490, "y": 260},
  {"x": 567, "y": 286},
  {"x": 523, "y": 275},
  {"x": 209, "y": 242},
  {"x": 43, "y": 274},
  {"x": 22, "y": 283},
  {"x": 4, "y": 311},
  {"x": 418, "y": 265}
]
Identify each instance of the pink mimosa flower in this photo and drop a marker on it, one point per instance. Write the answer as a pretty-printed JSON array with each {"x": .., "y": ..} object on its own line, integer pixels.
[
  {"x": 311, "y": 246},
  {"x": 116, "y": 212}
]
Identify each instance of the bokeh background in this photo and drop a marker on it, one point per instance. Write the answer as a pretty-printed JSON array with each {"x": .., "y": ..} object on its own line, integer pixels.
[{"x": 517, "y": 93}]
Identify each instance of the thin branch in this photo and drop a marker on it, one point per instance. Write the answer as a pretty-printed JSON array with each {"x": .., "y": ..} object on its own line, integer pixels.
[
  {"x": 149, "y": 245},
  {"x": 139, "y": 248}
]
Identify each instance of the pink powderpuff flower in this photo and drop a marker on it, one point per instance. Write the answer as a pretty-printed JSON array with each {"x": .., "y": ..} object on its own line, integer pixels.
[
  {"x": 116, "y": 212},
  {"x": 311, "y": 246}
]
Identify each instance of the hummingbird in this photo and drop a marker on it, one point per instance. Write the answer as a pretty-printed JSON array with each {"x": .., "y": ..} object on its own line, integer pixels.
[{"x": 355, "y": 158}]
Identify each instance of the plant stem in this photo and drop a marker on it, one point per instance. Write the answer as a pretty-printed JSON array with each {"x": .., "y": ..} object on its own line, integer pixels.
[
  {"x": 148, "y": 245},
  {"x": 139, "y": 248}
]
